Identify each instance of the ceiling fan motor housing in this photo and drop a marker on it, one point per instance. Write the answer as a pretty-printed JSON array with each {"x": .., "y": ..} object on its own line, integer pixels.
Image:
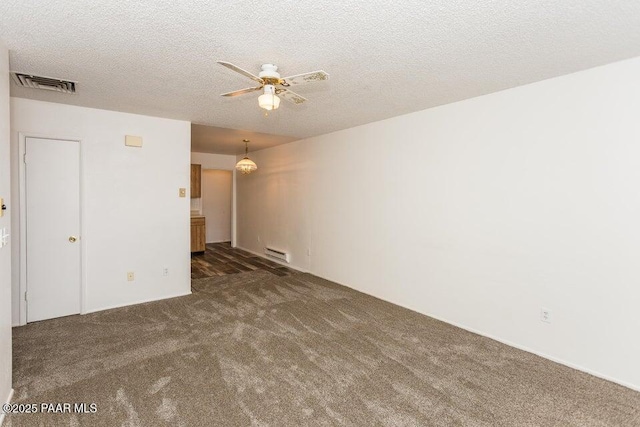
[{"x": 269, "y": 71}]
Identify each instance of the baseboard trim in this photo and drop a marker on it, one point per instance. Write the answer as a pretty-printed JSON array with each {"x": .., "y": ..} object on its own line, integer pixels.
[
  {"x": 2, "y": 414},
  {"x": 94, "y": 310},
  {"x": 543, "y": 355},
  {"x": 277, "y": 261},
  {"x": 554, "y": 359}
]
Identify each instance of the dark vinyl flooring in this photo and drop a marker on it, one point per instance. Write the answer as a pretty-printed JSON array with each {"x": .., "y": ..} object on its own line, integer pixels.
[{"x": 220, "y": 259}]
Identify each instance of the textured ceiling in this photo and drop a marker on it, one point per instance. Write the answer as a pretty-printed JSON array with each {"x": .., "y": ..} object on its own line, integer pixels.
[{"x": 385, "y": 59}]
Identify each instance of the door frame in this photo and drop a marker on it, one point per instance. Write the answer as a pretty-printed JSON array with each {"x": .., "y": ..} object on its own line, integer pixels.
[{"x": 22, "y": 194}]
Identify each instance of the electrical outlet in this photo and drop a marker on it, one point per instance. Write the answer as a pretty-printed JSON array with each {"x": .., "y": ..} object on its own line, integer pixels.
[
  {"x": 130, "y": 276},
  {"x": 545, "y": 315},
  {"x": 165, "y": 271},
  {"x": 182, "y": 192}
]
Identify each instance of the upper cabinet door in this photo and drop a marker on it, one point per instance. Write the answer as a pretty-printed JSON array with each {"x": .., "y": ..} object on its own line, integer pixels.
[{"x": 196, "y": 173}]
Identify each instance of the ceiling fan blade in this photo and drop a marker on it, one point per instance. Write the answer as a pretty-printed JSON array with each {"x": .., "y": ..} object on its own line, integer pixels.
[
  {"x": 299, "y": 79},
  {"x": 241, "y": 71},
  {"x": 290, "y": 95},
  {"x": 242, "y": 91}
]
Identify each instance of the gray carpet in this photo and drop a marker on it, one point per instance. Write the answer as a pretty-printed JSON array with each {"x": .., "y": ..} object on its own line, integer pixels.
[{"x": 257, "y": 349}]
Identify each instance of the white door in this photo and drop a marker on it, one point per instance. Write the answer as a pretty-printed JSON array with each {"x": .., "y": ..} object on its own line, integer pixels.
[{"x": 52, "y": 188}]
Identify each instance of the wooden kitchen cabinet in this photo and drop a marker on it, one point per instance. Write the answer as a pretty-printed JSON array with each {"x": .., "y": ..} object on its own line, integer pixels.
[
  {"x": 198, "y": 233},
  {"x": 196, "y": 178}
]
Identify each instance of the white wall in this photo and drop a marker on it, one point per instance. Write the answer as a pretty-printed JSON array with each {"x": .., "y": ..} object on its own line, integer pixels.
[
  {"x": 216, "y": 204},
  {"x": 479, "y": 213},
  {"x": 132, "y": 218},
  {"x": 5, "y": 222},
  {"x": 214, "y": 161}
]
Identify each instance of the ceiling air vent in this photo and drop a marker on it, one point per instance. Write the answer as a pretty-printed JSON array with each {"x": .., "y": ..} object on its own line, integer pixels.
[{"x": 47, "y": 83}]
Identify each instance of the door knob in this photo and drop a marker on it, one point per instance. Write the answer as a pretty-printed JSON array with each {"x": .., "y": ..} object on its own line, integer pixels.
[{"x": 72, "y": 239}]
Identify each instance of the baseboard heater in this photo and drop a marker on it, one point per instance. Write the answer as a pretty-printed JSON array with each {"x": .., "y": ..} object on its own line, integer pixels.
[{"x": 274, "y": 253}]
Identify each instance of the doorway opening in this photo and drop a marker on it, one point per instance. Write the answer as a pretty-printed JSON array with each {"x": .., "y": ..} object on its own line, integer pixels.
[{"x": 216, "y": 204}]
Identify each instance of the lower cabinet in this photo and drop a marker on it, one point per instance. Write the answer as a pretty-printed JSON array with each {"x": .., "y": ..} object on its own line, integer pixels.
[{"x": 198, "y": 233}]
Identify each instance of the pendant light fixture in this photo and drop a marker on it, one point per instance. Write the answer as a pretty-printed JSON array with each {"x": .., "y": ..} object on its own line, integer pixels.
[{"x": 246, "y": 165}]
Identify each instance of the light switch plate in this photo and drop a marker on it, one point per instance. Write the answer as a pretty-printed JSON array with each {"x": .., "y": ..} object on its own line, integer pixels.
[
  {"x": 182, "y": 192},
  {"x": 4, "y": 237}
]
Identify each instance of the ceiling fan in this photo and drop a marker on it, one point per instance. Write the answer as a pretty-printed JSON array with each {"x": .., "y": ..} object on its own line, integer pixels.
[{"x": 273, "y": 85}]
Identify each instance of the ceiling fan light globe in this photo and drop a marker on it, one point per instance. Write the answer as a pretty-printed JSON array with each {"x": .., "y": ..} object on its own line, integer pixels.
[
  {"x": 269, "y": 101},
  {"x": 246, "y": 166}
]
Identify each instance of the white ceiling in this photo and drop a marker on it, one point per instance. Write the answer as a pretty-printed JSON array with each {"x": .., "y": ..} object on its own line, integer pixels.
[
  {"x": 385, "y": 58},
  {"x": 211, "y": 139}
]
